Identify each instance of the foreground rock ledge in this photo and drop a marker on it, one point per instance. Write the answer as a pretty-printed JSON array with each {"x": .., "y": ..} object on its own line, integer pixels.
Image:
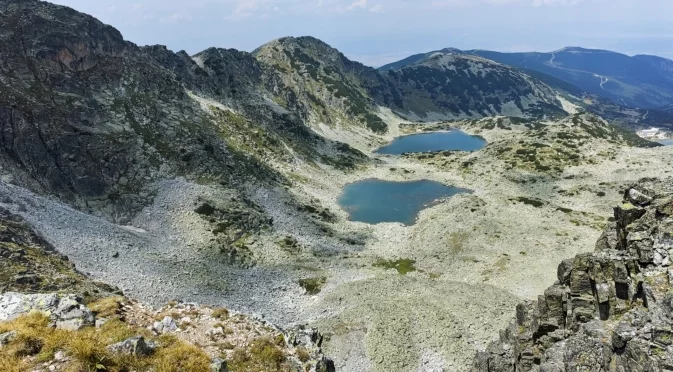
[{"x": 611, "y": 310}]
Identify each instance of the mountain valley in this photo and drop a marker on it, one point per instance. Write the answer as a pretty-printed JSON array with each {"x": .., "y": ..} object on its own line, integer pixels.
[{"x": 215, "y": 179}]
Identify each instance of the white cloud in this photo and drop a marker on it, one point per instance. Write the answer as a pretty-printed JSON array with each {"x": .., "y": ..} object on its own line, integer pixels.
[
  {"x": 364, "y": 5},
  {"x": 174, "y": 18},
  {"x": 556, "y": 2},
  {"x": 535, "y": 3},
  {"x": 378, "y": 8},
  {"x": 358, "y": 4}
]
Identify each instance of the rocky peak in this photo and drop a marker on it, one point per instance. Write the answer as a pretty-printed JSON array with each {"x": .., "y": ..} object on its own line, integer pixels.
[
  {"x": 321, "y": 83},
  {"x": 610, "y": 309},
  {"x": 311, "y": 46},
  {"x": 55, "y": 33},
  {"x": 448, "y": 60}
]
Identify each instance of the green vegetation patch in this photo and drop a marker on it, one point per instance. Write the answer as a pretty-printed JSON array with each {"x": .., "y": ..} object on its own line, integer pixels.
[
  {"x": 263, "y": 354},
  {"x": 537, "y": 203},
  {"x": 403, "y": 266},
  {"x": 313, "y": 286}
]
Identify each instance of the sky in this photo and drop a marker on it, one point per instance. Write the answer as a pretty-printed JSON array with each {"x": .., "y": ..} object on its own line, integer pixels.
[{"x": 376, "y": 32}]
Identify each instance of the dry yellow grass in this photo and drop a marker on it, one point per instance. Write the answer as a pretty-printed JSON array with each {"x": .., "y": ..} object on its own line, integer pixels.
[
  {"x": 108, "y": 307},
  {"x": 12, "y": 364},
  {"x": 177, "y": 356},
  {"x": 303, "y": 354},
  {"x": 220, "y": 313},
  {"x": 261, "y": 355},
  {"x": 87, "y": 348}
]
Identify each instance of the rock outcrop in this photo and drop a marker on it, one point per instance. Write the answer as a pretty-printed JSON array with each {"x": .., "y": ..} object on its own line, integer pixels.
[
  {"x": 610, "y": 310},
  {"x": 29, "y": 264},
  {"x": 66, "y": 312},
  {"x": 215, "y": 338}
]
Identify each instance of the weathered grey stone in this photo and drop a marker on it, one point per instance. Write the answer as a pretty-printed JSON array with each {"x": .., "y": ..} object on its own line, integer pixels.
[
  {"x": 72, "y": 315},
  {"x": 301, "y": 336},
  {"x": 66, "y": 311},
  {"x": 564, "y": 270},
  {"x": 608, "y": 240},
  {"x": 133, "y": 346},
  {"x": 7, "y": 337},
  {"x": 218, "y": 365},
  {"x": 611, "y": 310},
  {"x": 167, "y": 324},
  {"x": 638, "y": 198}
]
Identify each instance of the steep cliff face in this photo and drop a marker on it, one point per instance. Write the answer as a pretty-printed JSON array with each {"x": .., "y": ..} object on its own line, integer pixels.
[
  {"x": 94, "y": 119},
  {"x": 610, "y": 310}
]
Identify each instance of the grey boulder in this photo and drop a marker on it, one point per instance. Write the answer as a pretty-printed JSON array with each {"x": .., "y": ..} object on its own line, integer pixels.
[
  {"x": 133, "y": 346},
  {"x": 65, "y": 311}
]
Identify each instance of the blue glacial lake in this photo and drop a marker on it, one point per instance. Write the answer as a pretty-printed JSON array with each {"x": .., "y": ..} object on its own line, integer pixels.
[
  {"x": 668, "y": 142},
  {"x": 375, "y": 201},
  {"x": 433, "y": 141}
]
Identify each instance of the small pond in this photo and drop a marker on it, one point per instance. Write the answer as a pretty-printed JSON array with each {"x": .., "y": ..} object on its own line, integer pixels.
[
  {"x": 668, "y": 142},
  {"x": 434, "y": 141},
  {"x": 374, "y": 201}
]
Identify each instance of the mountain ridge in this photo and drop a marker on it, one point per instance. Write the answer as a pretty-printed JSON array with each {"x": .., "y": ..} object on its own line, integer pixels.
[
  {"x": 636, "y": 81},
  {"x": 421, "y": 93}
]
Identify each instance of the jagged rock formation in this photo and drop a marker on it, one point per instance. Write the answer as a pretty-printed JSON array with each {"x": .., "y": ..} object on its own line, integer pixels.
[
  {"x": 610, "y": 310},
  {"x": 95, "y": 119}
]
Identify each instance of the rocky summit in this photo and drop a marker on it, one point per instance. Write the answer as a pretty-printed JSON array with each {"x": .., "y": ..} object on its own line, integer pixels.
[
  {"x": 610, "y": 310},
  {"x": 165, "y": 211}
]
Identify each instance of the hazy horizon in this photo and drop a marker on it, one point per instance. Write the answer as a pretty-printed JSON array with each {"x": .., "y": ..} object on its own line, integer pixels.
[{"x": 375, "y": 32}]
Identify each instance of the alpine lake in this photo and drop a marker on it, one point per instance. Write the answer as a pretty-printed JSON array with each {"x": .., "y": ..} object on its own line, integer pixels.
[{"x": 375, "y": 201}]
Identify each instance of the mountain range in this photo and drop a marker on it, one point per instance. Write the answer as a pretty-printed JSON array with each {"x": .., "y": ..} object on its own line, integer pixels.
[
  {"x": 216, "y": 178},
  {"x": 641, "y": 81},
  {"x": 93, "y": 118}
]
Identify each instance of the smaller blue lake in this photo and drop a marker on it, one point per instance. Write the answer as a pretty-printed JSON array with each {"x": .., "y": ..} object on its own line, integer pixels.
[
  {"x": 668, "y": 142},
  {"x": 375, "y": 201},
  {"x": 434, "y": 141}
]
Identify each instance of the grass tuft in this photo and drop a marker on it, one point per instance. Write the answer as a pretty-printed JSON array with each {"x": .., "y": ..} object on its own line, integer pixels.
[
  {"x": 87, "y": 348},
  {"x": 262, "y": 355},
  {"x": 108, "y": 307},
  {"x": 403, "y": 266}
]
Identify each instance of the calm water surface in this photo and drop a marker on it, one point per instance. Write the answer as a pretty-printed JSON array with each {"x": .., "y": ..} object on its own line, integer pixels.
[
  {"x": 434, "y": 141},
  {"x": 668, "y": 142},
  {"x": 375, "y": 201}
]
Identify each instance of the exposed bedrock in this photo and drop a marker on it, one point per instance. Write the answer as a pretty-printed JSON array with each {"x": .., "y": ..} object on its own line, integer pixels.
[{"x": 610, "y": 310}]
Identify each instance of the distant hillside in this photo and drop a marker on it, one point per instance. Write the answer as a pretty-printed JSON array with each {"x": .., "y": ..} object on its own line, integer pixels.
[
  {"x": 416, "y": 58},
  {"x": 640, "y": 81},
  {"x": 330, "y": 88},
  {"x": 469, "y": 86}
]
